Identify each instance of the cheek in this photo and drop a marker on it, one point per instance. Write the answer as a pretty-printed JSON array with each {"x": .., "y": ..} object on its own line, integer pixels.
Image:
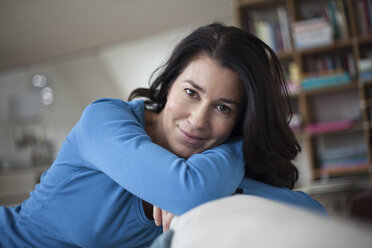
[
  {"x": 175, "y": 107},
  {"x": 222, "y": 129}
]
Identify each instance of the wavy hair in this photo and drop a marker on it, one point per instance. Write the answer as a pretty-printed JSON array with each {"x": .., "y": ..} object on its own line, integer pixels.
[{"x": 269, "y": 145}]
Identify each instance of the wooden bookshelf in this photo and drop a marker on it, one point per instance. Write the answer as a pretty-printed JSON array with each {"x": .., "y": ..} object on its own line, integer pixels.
[
  {"x": 364, "y": 39},
  {"x": 258, "y": 3},
  {"x": 284, "y": 55},
  {"x": 368, "y": 83},
  {"x": 368, "y": 102},
  {"x": 351, "y": 42},
  {"x": 337, "y": 45}
]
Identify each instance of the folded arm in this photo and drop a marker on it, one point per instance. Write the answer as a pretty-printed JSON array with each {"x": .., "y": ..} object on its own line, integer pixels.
[{"x": 112, "y": 139}]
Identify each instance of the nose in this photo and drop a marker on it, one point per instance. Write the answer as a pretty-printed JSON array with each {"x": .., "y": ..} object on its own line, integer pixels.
[{"x": 198, "y": 117}]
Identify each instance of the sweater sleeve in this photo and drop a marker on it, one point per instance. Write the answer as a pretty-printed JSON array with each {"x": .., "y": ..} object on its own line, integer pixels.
[
  {"x": 295, "y": 198},
  {"x": 111, "y": 139}
]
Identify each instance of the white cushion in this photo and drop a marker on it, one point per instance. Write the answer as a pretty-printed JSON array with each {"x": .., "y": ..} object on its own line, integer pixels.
[{"x": 250, "y": 221}]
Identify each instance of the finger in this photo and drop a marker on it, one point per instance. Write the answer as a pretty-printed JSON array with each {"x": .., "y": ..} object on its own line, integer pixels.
[
  {"x": 164, "y": 220},
  {"x": 170, "y": 217},
  {"x": 167, "y": 221},
  {"x": 157, "y": 214}
]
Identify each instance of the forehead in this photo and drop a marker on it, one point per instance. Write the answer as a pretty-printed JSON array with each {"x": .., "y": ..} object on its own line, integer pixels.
[{"x": 212, "y": 77}]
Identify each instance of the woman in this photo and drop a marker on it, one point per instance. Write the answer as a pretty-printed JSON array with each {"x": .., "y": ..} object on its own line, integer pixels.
[{"x": 219, "y": 83}]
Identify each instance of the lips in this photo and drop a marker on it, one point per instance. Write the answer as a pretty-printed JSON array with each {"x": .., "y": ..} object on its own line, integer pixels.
[{"x": 191, "y": 139}]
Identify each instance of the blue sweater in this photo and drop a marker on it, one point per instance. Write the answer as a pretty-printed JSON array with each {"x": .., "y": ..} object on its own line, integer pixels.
[
  {"x": 91, "y": 195},
  {"x": 283, "y": 195}
]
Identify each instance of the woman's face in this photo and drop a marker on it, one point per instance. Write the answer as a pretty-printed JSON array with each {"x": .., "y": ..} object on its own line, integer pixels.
[{"x": 203, "y": 106}]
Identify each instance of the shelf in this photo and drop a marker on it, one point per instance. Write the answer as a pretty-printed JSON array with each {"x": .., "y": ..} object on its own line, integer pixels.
[
  {"x": 283, "y": 55},
  {"x": 364, "y": 39},
  {"x": 352, "y": 85},
  {"x": 340, "y": 171},
  {"x": 368, "y": 103},
  {"x": 367, "y": 83},
  {"x": 258, "y": 3},
  {"x": 320, "y": 59},
  {"x": 337, "y": 45}
]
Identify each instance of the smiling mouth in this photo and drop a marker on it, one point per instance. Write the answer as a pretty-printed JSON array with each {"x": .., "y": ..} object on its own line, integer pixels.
[{"x": 191, "y": 139}]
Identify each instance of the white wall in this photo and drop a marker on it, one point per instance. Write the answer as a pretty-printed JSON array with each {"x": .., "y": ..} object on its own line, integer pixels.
[
  {"x": 39, "y": 29},
  {"x": 77, "y": 80},
  {"x": 131, "y": 64}
]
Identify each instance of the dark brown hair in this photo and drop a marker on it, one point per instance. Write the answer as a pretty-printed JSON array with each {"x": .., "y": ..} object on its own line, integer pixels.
[{"x": 269, "y": 145}]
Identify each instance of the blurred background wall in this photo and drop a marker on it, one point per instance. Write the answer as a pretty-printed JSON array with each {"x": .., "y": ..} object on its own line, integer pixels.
[{"x": 86, "y": 49}]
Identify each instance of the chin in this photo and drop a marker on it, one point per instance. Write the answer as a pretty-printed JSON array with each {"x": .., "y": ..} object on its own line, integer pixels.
[{"x": 185, "y": 153}]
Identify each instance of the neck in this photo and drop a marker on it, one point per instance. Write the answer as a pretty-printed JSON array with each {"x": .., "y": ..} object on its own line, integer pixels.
[{"x": 154, "y": 128}]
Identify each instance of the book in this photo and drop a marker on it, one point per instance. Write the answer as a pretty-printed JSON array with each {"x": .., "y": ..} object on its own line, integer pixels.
[
  {"x": 271, "y": 27},
  {"x": 365, "y": 64},
  {"x": 365, "y": 76},
  {"x": 284, "y": 28},
  {"x": 294, "y": 73},
  {"x": 344, "y": 162},
  {"x": 342, "y": 22},
  {"x": 351, "y": 65},
  {"x": 344, "y": 168},
  {"x": 264, "y": 31},
  {"x": 346, "y": 13},
  {"x": 312, "y": 33},
  {"x": 349, "y": 151},
  {"x": 362, "y": 17},
  {"x": 369, "y": 14},
  {"x": 346, "y": 156},
  {"x": 366, "y": 17},
  {"x": 319, "y": 82},
  {"x": 323, "y": 127},
  {"x": 334, "y": 18}
]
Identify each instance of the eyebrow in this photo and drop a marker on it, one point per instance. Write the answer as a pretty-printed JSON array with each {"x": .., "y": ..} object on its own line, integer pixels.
[{"x": 196, "y": 86}]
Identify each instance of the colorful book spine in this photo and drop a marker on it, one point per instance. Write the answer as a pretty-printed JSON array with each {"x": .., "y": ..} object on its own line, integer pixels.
[
  {"x": 342, "y": 22},
  {"x": 346, "y": 152},
  {"x": 312, "y": 33},
  {"x": 344, "y": 162},
  {"x": 313, "y": 83},
  {"x": 366, "y": 76},
  {"x": 332, "y": 6},
  {"x": 365, "y": 69},
  {"x": 343, "y": 157},
  {"x": 271, "y": 27},
  {"x": 364, "y": 14},
  {"x": 284, "y": 28},
  {"x": 324, "y": 127},
  {"x": 369, "y": 14},
  {"x": 365, "y": 64}
]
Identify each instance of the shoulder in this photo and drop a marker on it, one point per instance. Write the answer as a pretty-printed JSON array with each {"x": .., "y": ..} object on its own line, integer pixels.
[
  {"x": 115, "y": 107},
  {"x": 136, "y": 105}
]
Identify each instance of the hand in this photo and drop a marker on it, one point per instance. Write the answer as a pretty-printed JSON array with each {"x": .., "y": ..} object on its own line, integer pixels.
[{"x": 162, "y": 217}]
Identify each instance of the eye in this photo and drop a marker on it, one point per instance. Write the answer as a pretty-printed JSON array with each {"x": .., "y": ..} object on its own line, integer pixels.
[
  {"x": 223, "y": 108},
  {"x": 191, "y": 93}
]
